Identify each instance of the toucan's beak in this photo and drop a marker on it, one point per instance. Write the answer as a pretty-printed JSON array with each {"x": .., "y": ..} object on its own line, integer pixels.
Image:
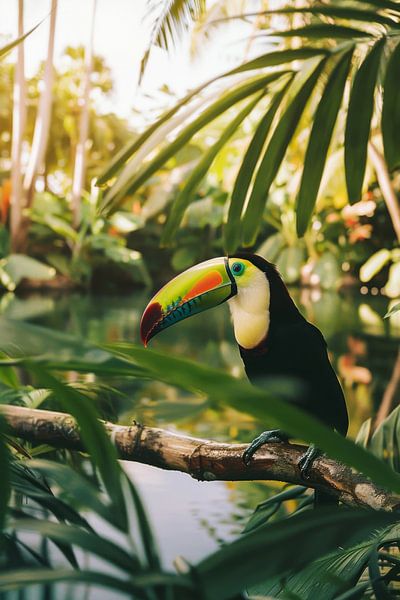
[{"x": 201, "y": 287}]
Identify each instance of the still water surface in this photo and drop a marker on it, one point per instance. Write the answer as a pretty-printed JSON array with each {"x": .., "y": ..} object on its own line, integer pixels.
[{"x": 192, "y": 519}]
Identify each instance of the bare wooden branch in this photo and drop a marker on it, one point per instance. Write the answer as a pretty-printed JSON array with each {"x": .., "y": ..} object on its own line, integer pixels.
[{"x": 203, "y": 459}]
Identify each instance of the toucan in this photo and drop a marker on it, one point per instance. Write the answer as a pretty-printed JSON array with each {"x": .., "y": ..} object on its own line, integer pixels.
[{"x": 274, "y": 338}]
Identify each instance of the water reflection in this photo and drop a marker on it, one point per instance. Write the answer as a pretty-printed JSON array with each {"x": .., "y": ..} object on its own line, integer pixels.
[{"x": 363, "y": 348}]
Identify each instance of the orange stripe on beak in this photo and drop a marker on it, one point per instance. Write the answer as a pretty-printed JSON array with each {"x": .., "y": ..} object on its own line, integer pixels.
[{"x": 207, "y": 283}]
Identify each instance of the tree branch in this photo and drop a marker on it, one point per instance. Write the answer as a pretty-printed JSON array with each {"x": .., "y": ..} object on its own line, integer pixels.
[{"x": 203, "y": 459}]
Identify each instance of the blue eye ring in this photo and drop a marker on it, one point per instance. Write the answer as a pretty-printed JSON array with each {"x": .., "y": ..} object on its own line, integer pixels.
[{"x": 237, "y": 268}]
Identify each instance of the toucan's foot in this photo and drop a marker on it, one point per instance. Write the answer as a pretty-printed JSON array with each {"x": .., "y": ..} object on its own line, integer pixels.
[
  {"x": 274, "y": 435},
  {"x": 306, "y": 461}
]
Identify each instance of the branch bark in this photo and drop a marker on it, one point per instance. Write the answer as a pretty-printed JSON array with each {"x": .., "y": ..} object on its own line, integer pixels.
[{"x": 204, "y": 460}]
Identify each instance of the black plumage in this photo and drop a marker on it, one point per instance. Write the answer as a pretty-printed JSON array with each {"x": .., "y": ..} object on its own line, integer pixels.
[{"x": 295, "y": 348}]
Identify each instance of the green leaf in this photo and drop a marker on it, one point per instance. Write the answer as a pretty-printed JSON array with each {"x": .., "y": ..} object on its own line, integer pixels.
[
  {"x": 391, "y": 110},
  {"x": 19, "y": 266},
  {"x": 129, "y": 150},
  {"x": 328, "y": 270},
  {"x": 226, "y": 572},
  {"x": 269, "y": 507},
  {"x": 392, "y": 311},
  {"x": 385, "y": 441},
  {"x": 270, "y": 405},
  {"x": 172, "y": 21},
  {"x": 272, "y": 246},
  {"x": 383, "y": 4},
  {"x": 274, "y": 155},
  {"x": 76, "y": 486},
  {"x": 290, "y": 262},
  {"x": 323, "y": 124},
  {"x": 392, "y": 287},
  {"x": 326, "y": 577},
  {"x": 75, "y": 536},
  {"x": 8, "y": 47},
  {"x": 197, "y": 175},
  {"x": 358, "y": 123},
  {"x": 245, "y": 174},
  {"x": 374, "y": 264},
  {"x": 20, "y": 578},
  {"x": 323, "y": 31},
  {"x": 5, "y": 474},
  {"x": 112, "y": 200},
  {"x": 279, "y": 57},
  {"x": 93, "y": 434},
  {"x": 60, "y": 226},
  {"x": 58, "y": 349},
  {"x": 337, "y": 12}
]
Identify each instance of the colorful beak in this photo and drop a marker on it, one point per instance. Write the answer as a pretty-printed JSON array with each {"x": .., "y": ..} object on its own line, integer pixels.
[{"x": 199, "y": 288}]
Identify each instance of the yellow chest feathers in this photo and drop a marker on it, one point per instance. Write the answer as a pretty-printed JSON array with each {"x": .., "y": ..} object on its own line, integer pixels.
[{"x": 250, "y": 311}]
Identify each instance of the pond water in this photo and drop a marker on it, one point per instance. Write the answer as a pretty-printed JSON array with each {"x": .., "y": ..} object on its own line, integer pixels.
[{"x": 191, "y": 518}]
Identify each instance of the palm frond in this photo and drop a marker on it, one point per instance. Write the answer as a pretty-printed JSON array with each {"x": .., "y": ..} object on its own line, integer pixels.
[{"x": 171, "y": 18}]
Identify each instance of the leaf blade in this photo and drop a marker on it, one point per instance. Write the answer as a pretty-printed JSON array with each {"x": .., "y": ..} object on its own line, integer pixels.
[
  {"x": 274, "y": 155},
  {"x": 390, "y": 122},
  {"x": 182, "y": 201},
  {"x": 358, "y": 122},
  {"x": 244, "y": 176},
  {"x": 320, "y": 137}
]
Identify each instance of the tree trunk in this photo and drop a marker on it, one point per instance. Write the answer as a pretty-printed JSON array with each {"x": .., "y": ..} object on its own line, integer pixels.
[
  {"x": 78, "y": 181},
  {"x": 386, "y": 187},
  {"x": 18, "y": 125},
  {"x": 42, "y": 124},
  {"x": 203, "y": 459}
]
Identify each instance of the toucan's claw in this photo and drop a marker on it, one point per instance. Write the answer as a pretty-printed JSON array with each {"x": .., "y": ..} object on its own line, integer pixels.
[
  {"x": 306, "y": 461},
  {"x": 274, "y": 435}
]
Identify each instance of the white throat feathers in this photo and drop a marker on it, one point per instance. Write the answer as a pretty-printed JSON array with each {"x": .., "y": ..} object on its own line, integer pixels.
[{"x": 250, "y": 311}]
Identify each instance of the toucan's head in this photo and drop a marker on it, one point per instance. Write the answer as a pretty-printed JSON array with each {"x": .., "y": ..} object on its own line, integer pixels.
[{"x": 244, "y": 280}]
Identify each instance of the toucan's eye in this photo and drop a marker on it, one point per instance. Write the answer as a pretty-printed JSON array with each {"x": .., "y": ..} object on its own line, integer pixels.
[{"x": 237, "y": 268}]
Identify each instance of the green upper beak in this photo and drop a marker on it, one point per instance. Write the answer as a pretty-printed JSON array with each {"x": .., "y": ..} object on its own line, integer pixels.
[{"x": 201, "y": 287}]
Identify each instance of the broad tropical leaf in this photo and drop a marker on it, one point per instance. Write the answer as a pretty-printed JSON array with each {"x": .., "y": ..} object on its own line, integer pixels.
[
  {"x": 358, "y": 121},
  {"x": 243, "y": 179},
  {"x": 225, "y": 572},
  {"x": 318, "y": 145},
  {"x": 391, "y": 110},
  {"x": 183, "y": 199},
  {"x": 274, "y": 155},
  {"x": 112, "y": 200}
]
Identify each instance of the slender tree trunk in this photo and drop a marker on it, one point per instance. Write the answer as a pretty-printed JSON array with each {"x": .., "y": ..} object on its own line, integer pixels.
[
  {"x": 385, "y": 184},
  {"x": 42, "y": 124},
  {"x": 81, "y": 149},
  {"x": 18, "y": 125}
]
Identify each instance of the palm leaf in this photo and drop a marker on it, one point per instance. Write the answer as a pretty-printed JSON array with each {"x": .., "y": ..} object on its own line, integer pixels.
[
  {"x": 359, "y": 115},
  {"x": 318, "y": 145},
  {"x": 226, "y": 572},
  {"x": 337, "y": 12},
  {"x": 8, "y": 47},
  {"x": 391, "y": 110},
  {"x": 323, "y": 31},
  {"x": 183, "y": 199},
  {"x": 232, "y": 229},
  {"x": 274, "y": 155},
  {"x": 173, "y": 18},
  {"x": 112, "y": 200}
]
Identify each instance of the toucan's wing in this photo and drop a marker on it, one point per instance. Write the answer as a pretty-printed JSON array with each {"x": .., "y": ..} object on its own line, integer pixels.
[{"x": 299, "y": 350}]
